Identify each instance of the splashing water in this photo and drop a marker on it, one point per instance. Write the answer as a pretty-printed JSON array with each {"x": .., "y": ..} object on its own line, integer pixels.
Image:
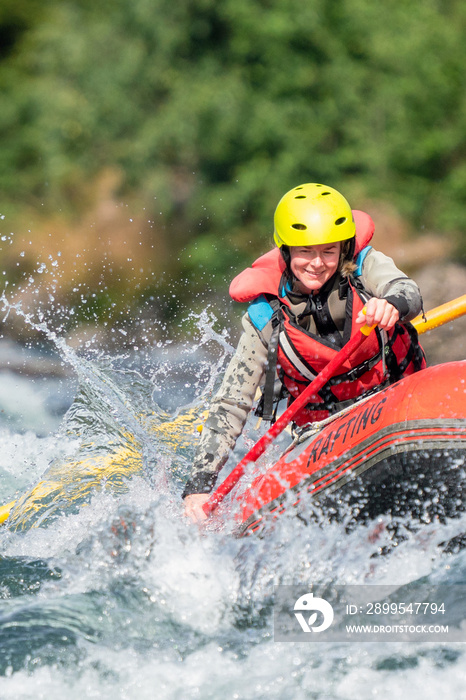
[{"x": 108, "y": 592}]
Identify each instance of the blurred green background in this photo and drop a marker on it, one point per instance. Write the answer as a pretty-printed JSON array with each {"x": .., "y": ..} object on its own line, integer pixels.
[{"x": 146, "y": 141}]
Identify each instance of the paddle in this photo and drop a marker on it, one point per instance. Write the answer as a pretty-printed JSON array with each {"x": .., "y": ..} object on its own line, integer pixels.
[
  {"x": 434, "y": 318},
  {"x": 175, "y": 433},
  {"x": 5, "y": 511},
  {"x": 440, "y": 314},
  {"x": 261, "y": 445}
]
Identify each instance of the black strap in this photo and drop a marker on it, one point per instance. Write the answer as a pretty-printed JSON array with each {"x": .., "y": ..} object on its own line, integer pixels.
[{"x": 268, "y": 394}]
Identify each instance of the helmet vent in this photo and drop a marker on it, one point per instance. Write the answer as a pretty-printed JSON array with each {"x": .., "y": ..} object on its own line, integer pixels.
[
  {"x": 299, "y": 227},
  {"x": 340, "y": 221}
]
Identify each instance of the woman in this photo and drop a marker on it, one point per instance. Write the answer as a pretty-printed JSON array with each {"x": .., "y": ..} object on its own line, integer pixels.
[{"x": 307, "y": 298}]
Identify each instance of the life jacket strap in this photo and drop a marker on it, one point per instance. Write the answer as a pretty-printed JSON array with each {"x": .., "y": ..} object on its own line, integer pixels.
[{"x": 269, "y": 403}]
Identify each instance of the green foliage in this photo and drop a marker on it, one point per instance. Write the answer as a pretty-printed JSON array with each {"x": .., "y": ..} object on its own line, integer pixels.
[{"x": 212, "y": 110}]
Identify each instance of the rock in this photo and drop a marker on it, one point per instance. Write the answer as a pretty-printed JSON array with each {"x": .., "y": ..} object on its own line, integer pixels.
[{"x": 440, "y": 283}]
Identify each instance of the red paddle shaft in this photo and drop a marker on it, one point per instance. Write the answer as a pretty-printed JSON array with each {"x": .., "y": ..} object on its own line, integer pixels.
[{"x": 261, "y": 445}]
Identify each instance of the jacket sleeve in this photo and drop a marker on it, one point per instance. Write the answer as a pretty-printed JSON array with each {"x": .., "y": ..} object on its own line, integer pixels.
[
  {"x": 229, "y": 409},
  {"x": 381, "y": 277}
]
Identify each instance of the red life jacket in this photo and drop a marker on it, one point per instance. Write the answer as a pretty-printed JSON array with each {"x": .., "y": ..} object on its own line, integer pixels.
[{"x": 300, "y": 355}]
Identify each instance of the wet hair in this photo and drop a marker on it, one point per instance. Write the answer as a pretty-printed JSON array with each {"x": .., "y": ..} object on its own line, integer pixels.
[
  {"x": 347, "y": 265},
  {"x": 286, "y": 255}
]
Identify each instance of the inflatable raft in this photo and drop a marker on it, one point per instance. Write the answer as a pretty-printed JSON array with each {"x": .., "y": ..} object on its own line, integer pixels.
[{"x": 401, "y": 451}]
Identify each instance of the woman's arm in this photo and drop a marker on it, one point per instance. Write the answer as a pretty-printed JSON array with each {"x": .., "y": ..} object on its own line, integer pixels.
[
  {"x": 228, "y": 412},
  {"x": 381, "y": 277}
]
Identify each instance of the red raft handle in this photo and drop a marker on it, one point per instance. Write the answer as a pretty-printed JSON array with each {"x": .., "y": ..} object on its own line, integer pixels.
[{"x": 287, "y": 416}]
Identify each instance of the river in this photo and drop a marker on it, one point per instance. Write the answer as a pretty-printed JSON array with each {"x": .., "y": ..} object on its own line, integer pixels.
[{"x": 106, "y": 591}]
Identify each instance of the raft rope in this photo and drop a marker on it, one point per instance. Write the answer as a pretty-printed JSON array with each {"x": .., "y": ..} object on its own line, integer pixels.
[{"x": 308, "y": 431}]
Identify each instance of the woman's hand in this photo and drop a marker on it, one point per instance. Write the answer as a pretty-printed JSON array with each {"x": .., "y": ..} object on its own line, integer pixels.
[
  {"x": 193, "y": 506},
  {"x": 379, "y": 312}
]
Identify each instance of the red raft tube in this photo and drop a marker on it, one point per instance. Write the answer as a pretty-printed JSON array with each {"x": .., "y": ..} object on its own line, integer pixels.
[{"x": 401, "y": 451}]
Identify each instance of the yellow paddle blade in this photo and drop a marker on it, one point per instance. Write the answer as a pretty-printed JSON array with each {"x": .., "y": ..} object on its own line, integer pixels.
[
  {"x": 440, "y": 315},
  {"x": 178, "y": 432},
  {"x": 73, "y": 482},
  {"x": 5, "y": 511}
]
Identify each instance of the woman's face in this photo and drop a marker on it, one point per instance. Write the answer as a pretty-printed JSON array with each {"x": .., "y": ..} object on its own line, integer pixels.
[{"x": 313, "y": 265}]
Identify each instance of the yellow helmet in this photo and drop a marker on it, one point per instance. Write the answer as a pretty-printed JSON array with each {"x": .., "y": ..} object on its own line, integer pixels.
[{"x": 312, "y": 214}]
